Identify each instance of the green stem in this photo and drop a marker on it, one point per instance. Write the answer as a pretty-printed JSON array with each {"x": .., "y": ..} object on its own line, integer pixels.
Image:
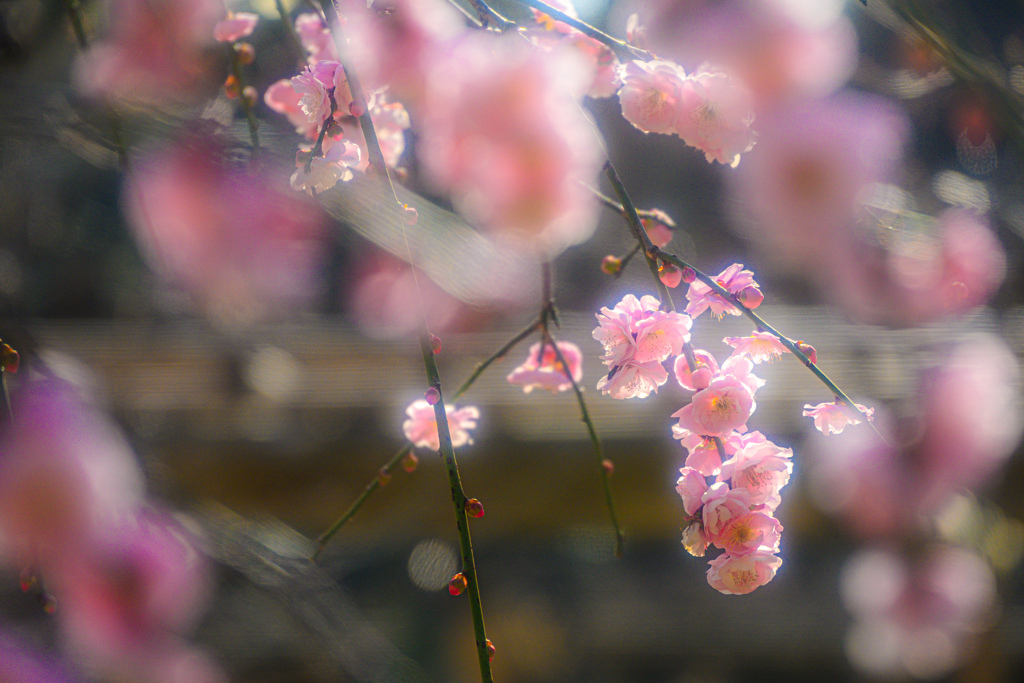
[
  {"x": 250, "y": 117},
  {"x": 637, "y": 228},
  {"x": 459, "y": 502},
  {"x": 500, "y": 353},
  {"x": 623, "y": 49}
]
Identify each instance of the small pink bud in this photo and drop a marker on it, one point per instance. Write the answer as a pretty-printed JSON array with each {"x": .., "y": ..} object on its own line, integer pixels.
[
  {"x": 701, "y": 377},
  {"x": 609, "y": 467},
  {"x": 9, "y": 359},
  {"x": 246, "y": 53},
  {"x": 474, "y": 508},
  {"x": 669, "y": 275},
  {"x": 808, "y": 350},
  {"x": 689, "y": 275},
  {"x": 231, "y": 87},
  {"x": 357, "y": 108},
  {"x": 249, "y": 96},
  {"x": 490, "y": 650},
  {"x": 383, "y": 477},
  {"x": 751, "y": 297},
  {"x": 435, "y": 344},
  {"x": 411, "y": 215},
  {"x": 610, "y": 265},
  {"x": 457, "y": 584},
  {"x": 432, "y": 396},
  {"x": 409, "y": 462}
]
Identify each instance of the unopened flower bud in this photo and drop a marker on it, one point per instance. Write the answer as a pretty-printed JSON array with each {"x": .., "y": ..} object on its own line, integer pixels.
[
  {"x": 335, "y": 130},
  {"x": 474, "y": 508},
  {"x": 457, "y": 584},
  {"x": 808, "y": 350},
  {"x": 249, "y": 96},
  {"x": 490, "y": 650},
  {"x": 435, "y": 344},
  {"x": 48, "y": 602},
  {"x": 357, "y": 108},
  {"x": 409, "y": 462},
  {"x": 411, "y": 214},
  {"x": 9, "y": 359},
  {"x": 751, "y": 297},
  {"x": 689, "y": 275},
  {"x": 669, "y": 275},
  {"x": 28, "y": 579},
  {"x": 609, "y": 467},
  {"x": 231, "y": 87},
  {"x": 610, "y": 265},
  {"x": 432, "y": 396},
  {"x": 383, "y": 477},
  {"x": 246, "y": 53},
  {"x": 701, "y": 377}
]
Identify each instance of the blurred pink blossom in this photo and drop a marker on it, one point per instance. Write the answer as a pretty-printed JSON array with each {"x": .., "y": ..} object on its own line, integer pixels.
[
  {"x": 282, "y": 98},
  {"x": 502, "y": 132},
  {"x": 325, "y": 172},
  {"x": 548, "y": 372},
  {"x": 715, "y": 115},
  {"x": 315, "y": 37},
  {"x": 421, "y": 427},
  {"x": 832, "y": 418},
  {"x": 154, "y": 51},
  {"x": 658, "y": 228},
  {"x": 651, "y": 94},
  {"x": 701, "y": 296},
  {"x": 724, "y": 406},
  {"x": 236, "y": 25},
  {"x": 759, "y": 347},
  {"x": 238, "y": 246},
  {"x": 741, "y": 575},
  {"x": 550, "y": 33}
]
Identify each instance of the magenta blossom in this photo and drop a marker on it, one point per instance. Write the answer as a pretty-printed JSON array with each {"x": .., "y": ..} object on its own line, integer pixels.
[
  {"x": 236, "y": 25},
  {"x": 759, "y": 467},
  {"x": 741, "y": 575},
  {"x": 716, "y": 411},
  {"x": 832, "y": 418},
  {"x": 421, "y": 427},
  {"x": 758, "y": 347},
  {"x": 548, "y": 372},
  {"x": 701, "y": 296}
]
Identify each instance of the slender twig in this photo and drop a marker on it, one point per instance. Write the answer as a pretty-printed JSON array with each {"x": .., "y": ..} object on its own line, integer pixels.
[
  {"x": 250, "y": 117},
  {"x": 660, "y": 216},
  {"x": 637, "y": 228},
  {"x": 500, "y": 353},
  {"x": 720, "y": 445},
  {"x": 459, "y": 502},
  {"x": 374, "y": 484},
  {"x": 491, "y": 18},
  {"x": 623, "y": 49},
  {"x": 620, "y": 537}
]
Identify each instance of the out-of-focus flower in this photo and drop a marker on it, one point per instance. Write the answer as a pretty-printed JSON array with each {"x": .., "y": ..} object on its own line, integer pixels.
[
  {"x": 502, "y": 132},
  {"x": 421, "y": 427},
  {"x": 242, "y": 249},
  {"x": 741, "y": 575},
  {"x": 716, "y": 411},
  {"x": 19, "y": 665},
  {"x": 282, "y": 98},
  {"x": 701, "y": 296},
  {"x": 236, "y": 25},
  {"x": 715, "y": 116},
  {"x": 758, "y": 347},
  {"x": 548, "y": 372},
  {"x": 658, "y": 228},
  {"x": 832, "y": 418},
  {"x": 154, "y": 51},
  {"x": 389, "y": 300},
  {"x": 781, "y": 49},
  {"x": 550, "y": 33},
  {"x": 651, "y": 94},
  {"x": 920, "y": 617},
  {"x": 315, "y": 37},
  {"x": 390, "y": 121},
  {"x": 65, "y": 473},
  {"x": 325, "y": 172}
]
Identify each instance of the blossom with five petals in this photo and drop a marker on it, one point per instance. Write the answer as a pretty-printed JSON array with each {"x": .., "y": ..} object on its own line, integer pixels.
[
  {"x": 734, "y": 279},
  {"x": 421, "y": 427},
  {"x": 739, "y": 575},
  {"x": 832, "y": 418}
]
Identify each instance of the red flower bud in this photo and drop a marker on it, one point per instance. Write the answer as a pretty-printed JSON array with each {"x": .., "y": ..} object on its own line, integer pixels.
[
  {"x": 670, "y": 275},
  {"x": 474, "y": 508},
  {"x": 609, "y": 466},
  {"x": 490, "y": 650},
  {"x": 808, "y": 350},
  {"x": 689, "y": 275},
  {"x": 246, "y": 53},
  {"x": 435, "y": 344},
  {"x": 610, "y": 265},
  {"x": 409, "y": 462},
  {"x": 9, "y": 359},
  {"x": 457, "y": 584}
]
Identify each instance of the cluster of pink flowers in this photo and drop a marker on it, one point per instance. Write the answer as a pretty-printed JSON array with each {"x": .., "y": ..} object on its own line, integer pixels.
[
  {"x": 124, "y": 579},
  {"x": 708, "y": 109}
]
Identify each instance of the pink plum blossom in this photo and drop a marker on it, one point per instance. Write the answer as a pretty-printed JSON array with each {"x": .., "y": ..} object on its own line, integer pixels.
[
  {"x": 741, "y": 368},
  {"x": 616, "y": 327},
  {"x": 715, "y": 116},
  {"x": 704, "y": 457},
  {"x": 502, "y": 132},
  {"x": 707, "y": 368},
  {"x": 312, "y": 86},
  {"x": 741, "y": 575},
  {"x": 758, "y": 347},
  {"x": 238, "y": 246},
  {"x": 701, "y": 297},
  {"x": 325, "y": 172},
  {"x": 724, "y": 406},
  {"x": 421, "y": 427},
  {"x": 691, "y": 486},
  {"x": 722, "y": 505},
  {"x": 548, "y": 372},
  {"x": 749, "y": 533},
  {"x": 153, "y": 51},
  {"x": 236, "y": 25},
  {"x": 651, "y": 94},
  {"x": 759, "y": 467},
  {"x": 390, "y": 121},
  {"x": 832, "y": 418},
  {"x": 687, "y": 439},
  {"x": 282, "y": 98},
  {"x": 315, "y": 37},
  {"x": 633, "y": 379},
  {"x": 660, "y": 335}
]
